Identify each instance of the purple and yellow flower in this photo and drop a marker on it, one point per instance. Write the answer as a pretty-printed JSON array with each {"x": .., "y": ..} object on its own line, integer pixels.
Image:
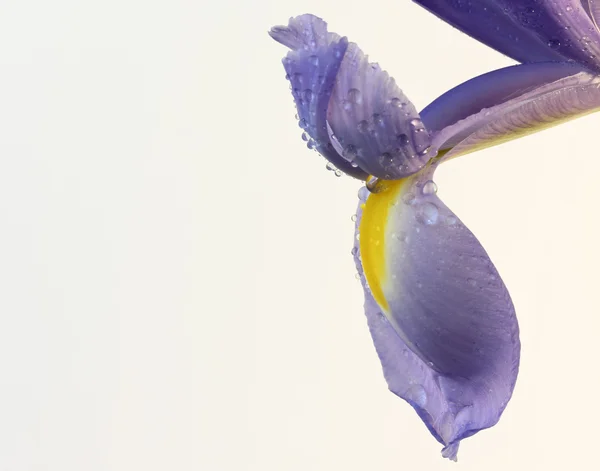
[{"x": 441, "y": 318}]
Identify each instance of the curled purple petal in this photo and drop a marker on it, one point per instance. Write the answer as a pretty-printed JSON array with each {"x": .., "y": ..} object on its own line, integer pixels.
[
  {"x": 374, "y": 123},
  {"x": 441, "y": 319},
  {"x": 312, "y": 66},
  {"x": 353, "y": 112}
]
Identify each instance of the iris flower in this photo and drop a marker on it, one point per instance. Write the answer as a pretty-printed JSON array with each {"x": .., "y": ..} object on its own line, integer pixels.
[{"x": 442, "y": 321}]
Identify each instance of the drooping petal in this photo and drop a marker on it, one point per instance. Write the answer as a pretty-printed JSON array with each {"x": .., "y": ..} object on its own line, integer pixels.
[
  {"x": 353, "y": 111},
  {"x": 510, "y": 103},
  {"x": 442, "y": 321},
  {"x": 526, "y": 30}
]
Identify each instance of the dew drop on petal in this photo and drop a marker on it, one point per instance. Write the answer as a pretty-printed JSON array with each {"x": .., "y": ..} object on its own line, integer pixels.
[
  {"x": 304, "y": 136},
  {"x": 397, "y": 103},
  {"x": 363, "y": 126},
  {"x": 428, "y": 214},
  {"x": 338, "y": 173},
  {"x": 451, "y": 220},
  {"x": 429, "y": 188},
  {"x": 402, "y": 139},
  {"x": 310, "y": 144},
  {"x": 409, "y": 198},
  {"x": 353, "y": 218},
  {"x": 378, "y": 120},
  {"x": 329, "y": 166},
  {"x": 363, "y": 193},
  {"x": 553, "y": 43},
  {"x": 354, "y": 96}
]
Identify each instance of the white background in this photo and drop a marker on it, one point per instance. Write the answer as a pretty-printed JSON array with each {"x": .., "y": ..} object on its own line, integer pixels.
[{"x": 177, "y": 290}]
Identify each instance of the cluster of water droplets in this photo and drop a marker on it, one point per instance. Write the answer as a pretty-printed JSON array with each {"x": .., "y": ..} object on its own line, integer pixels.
[
  {"x": 424, "y": 205},
  {"x": 336, "y": 171}
]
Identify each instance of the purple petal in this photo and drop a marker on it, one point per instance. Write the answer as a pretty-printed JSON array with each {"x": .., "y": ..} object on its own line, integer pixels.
[
  {"x": 592, "y": 7},
  {"x": 442, "y": 321},
  {"x": 374, "y": 123},
  {"x": 352, "y": 110},
  {"x": 539, "y": 108},
  {"x": 526, "y": 30},
  {"x": 311, "y": 66},
  {"x": 492, "y": 89}
]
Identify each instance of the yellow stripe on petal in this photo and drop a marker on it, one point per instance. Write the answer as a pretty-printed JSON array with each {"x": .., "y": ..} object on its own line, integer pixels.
[{"x": 375, "y": 218}]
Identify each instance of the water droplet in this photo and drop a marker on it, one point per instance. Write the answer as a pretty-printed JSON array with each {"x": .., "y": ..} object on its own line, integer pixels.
[
  {"x": 378, "y": 120},
  {"x": 329, "y": 166},
  {"x": 569, "y": 8},
  {"x": 417, "y": 395},
  {"x": 353, "y": 218},
  {"x": 402, "y": 236},
  {"x": 428, "y": 214},
  {"x": 386, "y": 160},
  {"x": 357, "y": 276},
  {"x": 338, "y": 173},
  {"x": 417, "y": 124},
  {"x": 314, "y": 60},
  {"x": 307, "y": 95},
  {"x": 397, "y": 103},
  {"x": 402, "y": 139},
  {"x": 296, "y": 116},
  {"x": 553, "y": 43},
  {"x": 354, "y": 96},
  {"x": 347, "y": 105},
  {"x": 586, "y": 39},
  {"x": 363, "y": 126},
  {"x": 451, "y": 220},
  {"x": 304, "y": 136},
  {"x": 424, "y": 152},
  {"x": 409, "y": 198},
  {"x": 363, "y": 193},
  {"x": 310, "y": 144},
  {"x": 429, "y": 188},
  {"x": 357, "y": 236},
  {"x": 303, "y": 123}
]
